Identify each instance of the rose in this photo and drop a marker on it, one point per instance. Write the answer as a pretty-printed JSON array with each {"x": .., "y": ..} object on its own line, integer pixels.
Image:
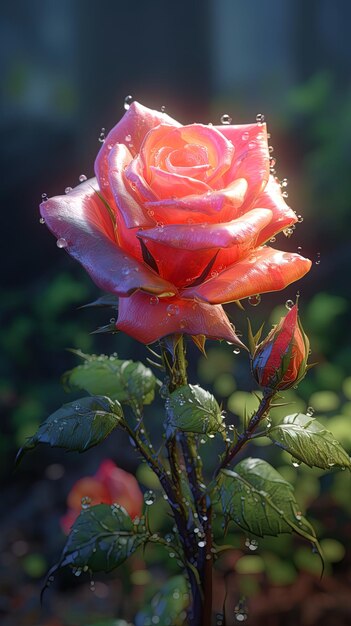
[
  {"x": 110, "y": 485},
  {"x": 280, "y": 361},
  {"x": 176, "y": 223}
]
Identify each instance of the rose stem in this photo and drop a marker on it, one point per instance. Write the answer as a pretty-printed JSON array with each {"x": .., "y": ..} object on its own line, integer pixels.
[
  {"x": 257, "y": 417},
  {"x": 202, "y": 602}
]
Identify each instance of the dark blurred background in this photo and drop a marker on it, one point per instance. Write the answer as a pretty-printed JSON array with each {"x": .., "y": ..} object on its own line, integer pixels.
[{"x": 65, "y": 69}]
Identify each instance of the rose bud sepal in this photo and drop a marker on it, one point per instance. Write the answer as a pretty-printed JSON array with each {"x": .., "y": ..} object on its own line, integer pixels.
[{"x": 280, "y": 361}]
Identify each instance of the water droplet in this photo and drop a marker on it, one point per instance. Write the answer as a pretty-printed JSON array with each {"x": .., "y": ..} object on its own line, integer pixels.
[
  {"x": 102, "y": 135},
  {"x": 245, "y": 136},
  {"x": 288, "y": 232},
  {"x": 252, "y": 145},
  {"x": 289, "y": 304},
  {"x": 298, "y": 515},
  {"x": 172, "y": 309},
  {"x": 61, "y": 243},
  {"x": 310, "y": 411},
  {"x": 127, "y": 102},
  {"x": 284, "y": 182},
  {"x": 240, "y": 611},
  {"x": 128, "y": 138},
  {"x": 154, "y": 300},
  {"x": 201, "y": 543},
  {"x": 273, "y": 239},
  {"x": 85, "y": 502},
  {"x": 272, "y": 161},
  {"x": 226, "y": 119},
  {"x": 68, "y": 189},
  {"x": 149, "y": 497},
  {"x": 318, "y": 259},
  {"x": 41, "y": 221},
  {"x": 236, "y": 351},
  {"x": 299, "y": 219},
  {"x": 82, "y": 178},
  {"x": 270, "y": 148},
  {"x": 44, "y": 197},
  {"x": 252, "y": 544},
  {"x": 259, "y": 118},
  {"x": 285, "y": 194},
  {"x": 299, "y": 248},
  {"x": 255, "y": 300},
  {"x": 92, "y": 585},
  {"x": 77, "y": 571},
  {"x": 163, "y": 108},
  {"x": 296, "y": 462}
]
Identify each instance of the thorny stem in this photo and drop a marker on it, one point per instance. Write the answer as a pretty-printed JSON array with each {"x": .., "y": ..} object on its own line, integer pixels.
[
  {"x": 260, "y": 414},
  {"x": 201, "y": 611}
]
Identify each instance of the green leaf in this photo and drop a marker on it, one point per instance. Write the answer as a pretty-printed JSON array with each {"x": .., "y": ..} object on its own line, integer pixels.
[
  {"x": 257, "y": 498},
  {"x": 309, "y": 441},
  {"x": 192, "y": 409},
  {"x": 101, "y": 538},
  {"x": 126, "y": 381},
  {"x": 168, "y": 605},
  {"x": 78, "y": 425}
]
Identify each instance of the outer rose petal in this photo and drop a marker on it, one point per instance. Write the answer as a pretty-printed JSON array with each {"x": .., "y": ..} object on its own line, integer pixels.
[
  {"x": 240, "y": 232},
  {"x": 265, "y": 269},
  {"x": 283, "y": 215},
  {"x": 130, "y": 209},
  {"x": 130, "y": 130},
  {"x": 147, "y": 319},
  {"x": 251, "y": 158},
  {"x": 80, "y": 219}
]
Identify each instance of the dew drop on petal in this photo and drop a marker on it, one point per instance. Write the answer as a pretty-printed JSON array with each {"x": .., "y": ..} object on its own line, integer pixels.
[
  {"x": 68, "y": 189},
  {"x": 273, "y": 239},
  {"x": 289, "y": 304},
  {"x": 226, "y": 119},
  {"x": 245, "y": 136},
  {"x": 127, "y": 102},
  {"x": 172, "y": 309},
  {"x": 44, "y": 197},
  {"x": 270, "y": 149},
  {"x": 318, "y": 259},
  {"x": 128, "y": 138},
  {"x": 82, "y": 178},
  {"x": 154, "y": 300},
  {"x": 255, "y": 300},
  {"x": 61, "y": 243},
  {"x": 41, "y": 221},
  {"x": 285, "y": 194},
  {"x": 163, "y": 108},
  {"x": 299, "y": 219},
  {"x": 259, "y": 118}
]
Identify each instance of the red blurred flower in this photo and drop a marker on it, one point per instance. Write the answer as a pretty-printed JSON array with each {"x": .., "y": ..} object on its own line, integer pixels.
[
  {"x": 280, "y": 361},
  {"x": 110, "y": 485},
  {"x": 176, "y": 223}
]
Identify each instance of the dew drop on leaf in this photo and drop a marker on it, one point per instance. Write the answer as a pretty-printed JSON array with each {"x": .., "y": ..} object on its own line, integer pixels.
[{"x": 149, "y": 497}]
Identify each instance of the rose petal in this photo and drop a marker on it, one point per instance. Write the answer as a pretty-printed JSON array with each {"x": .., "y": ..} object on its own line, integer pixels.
[
  {"x": 283, "y": 216},
  {"x": 166, "y": 184},
  {"x": 237, "y": 233},
  {"x": 130, "y": 209},
  {"x": 214, "y": 207},
  {"x": 265, "y": 269},
  {"x": 251, "y": 158},
  {"x": 219, "y": 150},
  {"x": 148, "y": 319},
  {"x": 79, "y": 219},
  {"x": 131, "y": 131}
]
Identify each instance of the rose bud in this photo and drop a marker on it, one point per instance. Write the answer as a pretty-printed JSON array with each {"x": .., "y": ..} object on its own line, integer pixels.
[{"x": 280, "y": 360}]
